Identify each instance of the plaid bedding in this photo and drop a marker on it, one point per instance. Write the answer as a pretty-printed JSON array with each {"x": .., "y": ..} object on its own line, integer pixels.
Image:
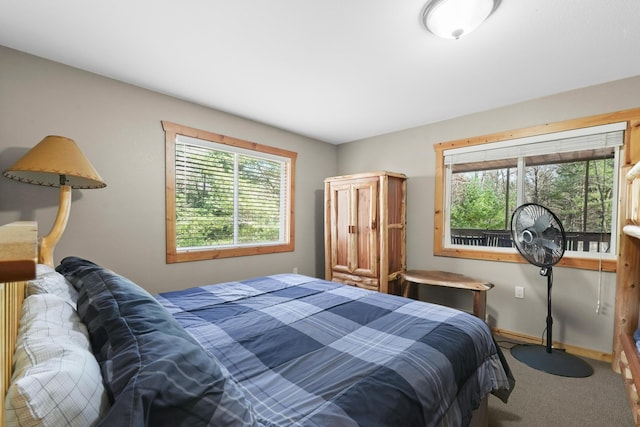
[{"x": 309, "y": 352}]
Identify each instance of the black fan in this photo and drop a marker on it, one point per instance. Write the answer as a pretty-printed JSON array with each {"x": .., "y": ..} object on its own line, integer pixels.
[{"x": 539, "y": 237}]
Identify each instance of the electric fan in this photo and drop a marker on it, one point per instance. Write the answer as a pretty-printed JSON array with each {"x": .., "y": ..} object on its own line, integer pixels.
[{"x": 540, "y": 238}]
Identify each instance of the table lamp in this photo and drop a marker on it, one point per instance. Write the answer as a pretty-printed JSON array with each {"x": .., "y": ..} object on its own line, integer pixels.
[{"x": 55, "y": 162}]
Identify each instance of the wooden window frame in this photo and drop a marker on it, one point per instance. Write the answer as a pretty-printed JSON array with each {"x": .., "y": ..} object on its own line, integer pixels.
[
  {"x": 631, "y": 145},
  {"x": 173, "y": 255}
]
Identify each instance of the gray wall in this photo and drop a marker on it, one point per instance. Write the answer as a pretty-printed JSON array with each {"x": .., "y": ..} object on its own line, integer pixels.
[
  {"x": 575, "y": 292},
  {"x": 118, "y": 128}
]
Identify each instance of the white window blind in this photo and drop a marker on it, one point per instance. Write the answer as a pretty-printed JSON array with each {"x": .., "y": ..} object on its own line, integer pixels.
[
  {"x": 591, "y": 138},
  {"x": 228, "y": 196}
]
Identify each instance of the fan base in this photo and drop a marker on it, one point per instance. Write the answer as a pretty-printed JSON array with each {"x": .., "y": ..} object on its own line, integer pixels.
[{"x": 558, "y": 362}]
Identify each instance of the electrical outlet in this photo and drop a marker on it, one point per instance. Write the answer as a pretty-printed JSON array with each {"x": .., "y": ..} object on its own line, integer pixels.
[
  {"x": 295, "y": 270},
  {"x": 519, "y": 292}
]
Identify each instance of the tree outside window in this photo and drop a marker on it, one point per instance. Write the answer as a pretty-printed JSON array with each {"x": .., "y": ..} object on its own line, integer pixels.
[
  {"x": 570, "y": 167},
  {"x": 226, "y": 197},
  {"x": 580, "y": 193}
]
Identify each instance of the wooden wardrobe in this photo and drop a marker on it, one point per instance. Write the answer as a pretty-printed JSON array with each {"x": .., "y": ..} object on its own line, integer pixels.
[{"x": 365, "y": 229}]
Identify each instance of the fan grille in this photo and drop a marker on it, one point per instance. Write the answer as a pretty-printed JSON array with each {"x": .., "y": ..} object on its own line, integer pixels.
[{"x": 538, "y": 234}]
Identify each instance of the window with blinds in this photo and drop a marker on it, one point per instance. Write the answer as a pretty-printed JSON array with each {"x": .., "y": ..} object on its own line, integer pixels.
[
  {"x": 573, "y": 172},
  {"x": 229, "y": 197}
]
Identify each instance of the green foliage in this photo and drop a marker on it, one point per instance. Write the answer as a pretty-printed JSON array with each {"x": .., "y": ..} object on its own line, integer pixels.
[
  {"x": 478, "y": 206},
  {"x": 483, "y": 199},
  {"x": 580, "y": 193},
  {"x": 211, "y": 210}
]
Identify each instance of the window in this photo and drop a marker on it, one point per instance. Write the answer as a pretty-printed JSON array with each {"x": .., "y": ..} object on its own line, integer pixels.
[
  {"x": 573, "y": 171},
  {"x": 226, "y": 197}
]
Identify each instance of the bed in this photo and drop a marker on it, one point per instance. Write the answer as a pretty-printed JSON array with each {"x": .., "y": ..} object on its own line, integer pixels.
[{"x": 279, "y": 350}]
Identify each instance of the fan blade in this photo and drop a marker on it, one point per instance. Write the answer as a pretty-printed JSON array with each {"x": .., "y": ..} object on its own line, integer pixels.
[
  {"x": 549, "y": 244},
  {"x": 552, "y": 234},
  {"x": 542, "y": 223}
]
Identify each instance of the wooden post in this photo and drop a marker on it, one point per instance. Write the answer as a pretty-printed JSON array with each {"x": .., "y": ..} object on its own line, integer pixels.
[{"x": 48, "y": 243}]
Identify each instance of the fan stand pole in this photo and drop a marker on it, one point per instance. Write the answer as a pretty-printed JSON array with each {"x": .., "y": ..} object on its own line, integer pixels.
[
  {"x": 549, "y": 273},
  {"x": 546, "y": 358}
]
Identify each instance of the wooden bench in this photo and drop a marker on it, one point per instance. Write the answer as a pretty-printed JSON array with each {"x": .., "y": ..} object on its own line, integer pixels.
[{"x": 449, "y": 280}]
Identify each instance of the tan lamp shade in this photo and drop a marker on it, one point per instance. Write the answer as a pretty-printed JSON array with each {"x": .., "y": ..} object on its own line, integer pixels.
[{"x": 55, "y": 158}]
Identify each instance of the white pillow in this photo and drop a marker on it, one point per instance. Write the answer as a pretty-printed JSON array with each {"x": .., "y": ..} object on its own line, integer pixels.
[
  {"x": 49, "y": 281},
  {"x": 44, "y": 268},
  {"x": 56, "y": 379}
]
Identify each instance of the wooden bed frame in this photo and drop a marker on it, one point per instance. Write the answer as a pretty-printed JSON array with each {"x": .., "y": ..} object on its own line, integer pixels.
[
  {"x": 18, "y": 260},
  {"x": 18, "y": 257},
  {"x": 627, "y": 300}
]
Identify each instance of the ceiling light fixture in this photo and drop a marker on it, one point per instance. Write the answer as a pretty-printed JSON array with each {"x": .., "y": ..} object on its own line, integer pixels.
[{"x": 452, "y": 19}]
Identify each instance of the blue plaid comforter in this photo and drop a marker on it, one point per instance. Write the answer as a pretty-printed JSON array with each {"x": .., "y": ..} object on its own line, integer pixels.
[{"x": 309, "y": 352}]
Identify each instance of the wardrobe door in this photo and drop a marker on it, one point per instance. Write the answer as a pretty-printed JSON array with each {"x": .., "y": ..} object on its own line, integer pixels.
[{"x": 364, "y": 252}]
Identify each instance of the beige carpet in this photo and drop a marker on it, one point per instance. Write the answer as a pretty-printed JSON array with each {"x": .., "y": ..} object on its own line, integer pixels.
[{"x": 541, "y": 399}]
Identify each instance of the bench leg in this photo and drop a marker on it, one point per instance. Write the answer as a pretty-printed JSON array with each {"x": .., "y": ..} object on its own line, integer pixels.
[
  {"x": 405, "y": 286},
  {"x": 480, "y": 304}
]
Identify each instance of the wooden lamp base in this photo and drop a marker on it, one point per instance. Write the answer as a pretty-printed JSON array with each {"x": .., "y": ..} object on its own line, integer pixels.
[{"x": 48, "y": 243}]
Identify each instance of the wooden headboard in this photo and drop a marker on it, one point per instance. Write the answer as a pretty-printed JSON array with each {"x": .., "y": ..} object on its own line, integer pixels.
[{"x": 18, "y": 257}]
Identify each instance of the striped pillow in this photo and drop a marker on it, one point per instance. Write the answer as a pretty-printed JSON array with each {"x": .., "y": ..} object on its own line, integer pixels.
[
  {"x": 49, "y": 281},
  {"x": 56, "y": 379}
]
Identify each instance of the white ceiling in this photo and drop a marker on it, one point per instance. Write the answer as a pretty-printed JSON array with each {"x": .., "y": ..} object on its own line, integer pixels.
[{"x": 334, "y": 70}]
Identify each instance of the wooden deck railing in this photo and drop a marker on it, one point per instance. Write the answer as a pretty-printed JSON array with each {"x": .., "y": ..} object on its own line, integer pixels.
[{"x": 580, "y": 242}]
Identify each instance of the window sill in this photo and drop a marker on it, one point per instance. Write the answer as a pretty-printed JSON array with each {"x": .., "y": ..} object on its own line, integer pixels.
[
  {"x": 208, "y": 254},
  {"x": 506, "y": 255}
]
